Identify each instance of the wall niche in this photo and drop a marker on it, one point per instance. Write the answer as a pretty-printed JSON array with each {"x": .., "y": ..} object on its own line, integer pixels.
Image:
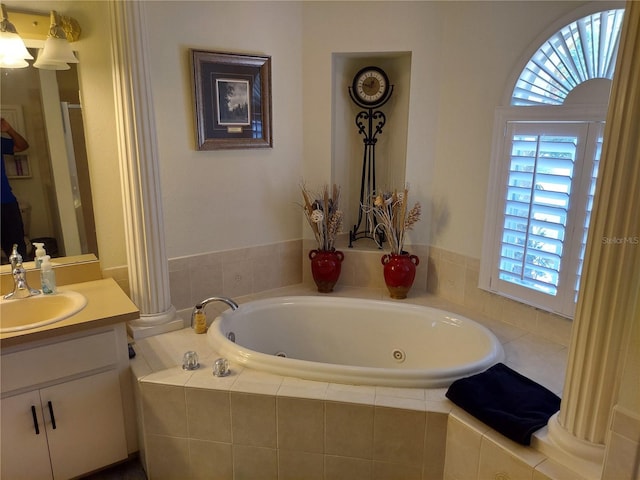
[{"x": 348, "y": 145}]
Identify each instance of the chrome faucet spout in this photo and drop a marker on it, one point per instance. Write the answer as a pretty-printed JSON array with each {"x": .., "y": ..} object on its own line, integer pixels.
[
  {"x": 21, "y": 288},
  {"x": 200, "y": 306}
]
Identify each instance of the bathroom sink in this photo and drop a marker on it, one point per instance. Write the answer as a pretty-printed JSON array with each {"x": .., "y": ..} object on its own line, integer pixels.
[{"x": 39, "y": 310}]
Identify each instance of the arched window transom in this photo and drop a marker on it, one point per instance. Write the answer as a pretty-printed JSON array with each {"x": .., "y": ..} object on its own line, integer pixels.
[{"x": 581, "y": 51}]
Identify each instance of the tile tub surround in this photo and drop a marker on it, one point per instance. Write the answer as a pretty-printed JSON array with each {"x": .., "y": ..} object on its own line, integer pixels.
[
  {"x": 193, "y": 422},
  {"x": 249, "y": 271}
]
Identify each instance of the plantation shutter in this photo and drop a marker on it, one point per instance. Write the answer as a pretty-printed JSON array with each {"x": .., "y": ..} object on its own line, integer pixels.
[{"x": 543, "y": 162}]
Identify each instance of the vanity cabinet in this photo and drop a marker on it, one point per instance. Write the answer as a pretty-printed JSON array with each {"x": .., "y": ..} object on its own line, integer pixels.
[{"x": 62, "y": 407}]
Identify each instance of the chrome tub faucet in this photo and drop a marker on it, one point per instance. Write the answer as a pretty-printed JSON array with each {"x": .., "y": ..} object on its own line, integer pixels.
[{"x": 200, "y": 306}]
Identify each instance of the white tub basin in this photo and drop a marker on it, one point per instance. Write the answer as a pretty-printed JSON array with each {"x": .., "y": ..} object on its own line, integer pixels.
[{"x": 39, "y": 310}]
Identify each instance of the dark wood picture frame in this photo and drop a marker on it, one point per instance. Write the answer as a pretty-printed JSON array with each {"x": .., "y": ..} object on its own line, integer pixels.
[{"x": 232, "y": 95}]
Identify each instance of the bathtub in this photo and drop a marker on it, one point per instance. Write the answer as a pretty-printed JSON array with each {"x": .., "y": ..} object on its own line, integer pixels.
[{"x": 354, "y": 341}]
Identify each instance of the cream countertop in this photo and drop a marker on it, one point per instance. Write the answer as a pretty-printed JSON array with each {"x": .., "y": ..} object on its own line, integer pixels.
[{"x": 107, "y": 304}]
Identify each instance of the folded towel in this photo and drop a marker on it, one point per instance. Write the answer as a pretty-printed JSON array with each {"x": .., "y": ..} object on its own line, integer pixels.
[{"x": 507, "y": 401}]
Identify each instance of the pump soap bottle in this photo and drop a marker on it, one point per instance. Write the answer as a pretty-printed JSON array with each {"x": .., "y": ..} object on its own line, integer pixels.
[
  {"x": 40, "y": 252},
  {"x": 47, "y": 276}
]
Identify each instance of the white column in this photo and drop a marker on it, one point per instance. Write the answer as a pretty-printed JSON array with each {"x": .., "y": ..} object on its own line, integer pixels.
[
  {"x": 144, "y": 227},
  {"x": 608, "y": 301}
]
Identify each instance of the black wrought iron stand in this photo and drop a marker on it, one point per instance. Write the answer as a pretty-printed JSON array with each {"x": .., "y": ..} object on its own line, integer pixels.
[{"x": 370, "y": 122}]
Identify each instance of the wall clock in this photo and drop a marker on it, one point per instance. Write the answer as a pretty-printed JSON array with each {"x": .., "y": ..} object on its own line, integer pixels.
[
  {"x": 371, "y": 86},
  {"x": 370, "y": 90}
]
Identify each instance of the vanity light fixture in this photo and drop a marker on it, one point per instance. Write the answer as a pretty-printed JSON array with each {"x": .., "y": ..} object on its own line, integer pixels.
[
  {"x": 57, "y": 52},
  {"x": 13, "y": 52}
]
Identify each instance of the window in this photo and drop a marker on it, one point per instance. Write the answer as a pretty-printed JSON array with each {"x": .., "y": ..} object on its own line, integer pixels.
[
  {"x": 581, "y": 51},
  {"x": 544, "y": 168}
]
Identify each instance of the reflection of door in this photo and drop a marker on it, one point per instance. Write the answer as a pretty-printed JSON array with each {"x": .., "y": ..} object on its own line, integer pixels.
[{"x": 79, "y": 175}]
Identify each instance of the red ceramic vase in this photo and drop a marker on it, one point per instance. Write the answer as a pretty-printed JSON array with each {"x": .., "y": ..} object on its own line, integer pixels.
[
  {"x": 399, "y": 273},
  {"x": 325, "y": 268}
]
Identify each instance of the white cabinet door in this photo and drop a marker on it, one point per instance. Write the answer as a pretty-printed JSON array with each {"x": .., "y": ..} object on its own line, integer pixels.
[
  {"x": 89, "y": 425},
  {"x": 24, "y": 439}
]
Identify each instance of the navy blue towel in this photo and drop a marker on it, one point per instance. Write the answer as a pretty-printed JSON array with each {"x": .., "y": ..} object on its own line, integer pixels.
[{"x": 507, "y": 401}]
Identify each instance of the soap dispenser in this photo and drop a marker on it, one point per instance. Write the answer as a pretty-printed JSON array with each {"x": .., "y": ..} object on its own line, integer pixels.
[
  {"x": 40, "y": 252},
  {"x": 47, "y": 276},
  {"x": 199, "y": 321}
]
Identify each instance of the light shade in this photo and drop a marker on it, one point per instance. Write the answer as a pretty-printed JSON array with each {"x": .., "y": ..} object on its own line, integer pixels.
[
  {"x": 13, "y": 52},
  {"x": 57, "y": 52},
  {"x": 47, "y": 64}
]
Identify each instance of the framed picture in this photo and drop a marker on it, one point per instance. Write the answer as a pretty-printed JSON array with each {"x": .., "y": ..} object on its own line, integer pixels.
[{"x": 232, "y": 96}]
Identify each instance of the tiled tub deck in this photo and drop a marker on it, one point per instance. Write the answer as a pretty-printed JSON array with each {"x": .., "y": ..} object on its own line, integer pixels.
[{"x": 254, "y": 425}]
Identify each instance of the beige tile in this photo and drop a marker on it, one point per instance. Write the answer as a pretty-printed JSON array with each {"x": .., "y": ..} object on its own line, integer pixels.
[
  {"x": 411, "y": 393},
  {"x": 433, "y": 272},
  {"x": 343, "y": 468},
  {"x": 300, "y": 424},
  {"x": 351, "y": 393},
  {"x": 524, "y": 454},
  {"x": 554, "y": 327},
  {"x": 400, "y": 402},
  {"x": 349, "y": 430},
  {"x": 299, "y": 388},
  {"x": 398, "y": 436},
  {"x": 253, "y": 420},
  {"x": 254, "y": 381},
  {"x": 210, "y": 460},
  {"x": 300, "y": 465},
  {"x": 496, "y": 461},
  {"x": 164, "y": 409},
  {"x": 474, "y": 297},
  {"x": 180, "y": 288},
  {"x": 208, "y": 414},
  {"x": 434, "y": 446},
  {"x": 453, "y": 257},
  {"x": 395, "y": 471},
  {"x": 165, "y": 371},
  {"x": 290, "y": 263},
  {"x": 626, "y": 423},
  {"x": 236, "y": 276},
  {"x": 550, "y": 470},
  {"x": 206, "y": 281},
  {"x": 451, "y": 281},
  {"x": 203, "y": 377},
  {"x": 252, "y": 463},
  {"x": 519, "y": 314},
  {"x": 167, "y": 457},
  {"x": 266, "y": 266},
  {"x": 621, "y": 462},
  {"x": 462, "y": 450}
]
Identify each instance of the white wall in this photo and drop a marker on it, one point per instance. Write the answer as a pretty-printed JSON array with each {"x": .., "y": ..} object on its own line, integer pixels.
[
  {"x": 219, "y": 200},
  {"x": 462, "y": 55},
  {"x": 343, "y": 27},
  {"x": 483, "y": 42}
]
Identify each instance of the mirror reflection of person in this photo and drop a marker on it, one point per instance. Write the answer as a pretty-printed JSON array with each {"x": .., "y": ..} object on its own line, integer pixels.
[{"x": 11, "y": 228}]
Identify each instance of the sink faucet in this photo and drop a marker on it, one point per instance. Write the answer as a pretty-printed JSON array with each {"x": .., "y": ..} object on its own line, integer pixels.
[
  {"x": 21, "y": 288},
  {"x": 202, "y": 304}
]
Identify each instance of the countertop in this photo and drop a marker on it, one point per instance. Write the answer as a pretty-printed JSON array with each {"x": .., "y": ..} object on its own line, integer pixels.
[{"x": 107, "y": 304}]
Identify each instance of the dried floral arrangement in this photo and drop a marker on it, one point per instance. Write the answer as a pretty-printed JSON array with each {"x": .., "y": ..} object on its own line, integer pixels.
[
  {"x": 392, "y": 216},
  {"x": 323, "y": 214}
]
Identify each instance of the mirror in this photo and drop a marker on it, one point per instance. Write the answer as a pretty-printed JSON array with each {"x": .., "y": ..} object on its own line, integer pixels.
[{"x": 50, "y": 178}]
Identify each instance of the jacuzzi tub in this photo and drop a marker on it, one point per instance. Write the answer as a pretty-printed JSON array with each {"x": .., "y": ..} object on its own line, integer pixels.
[{"x": 354, "y": 341}]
